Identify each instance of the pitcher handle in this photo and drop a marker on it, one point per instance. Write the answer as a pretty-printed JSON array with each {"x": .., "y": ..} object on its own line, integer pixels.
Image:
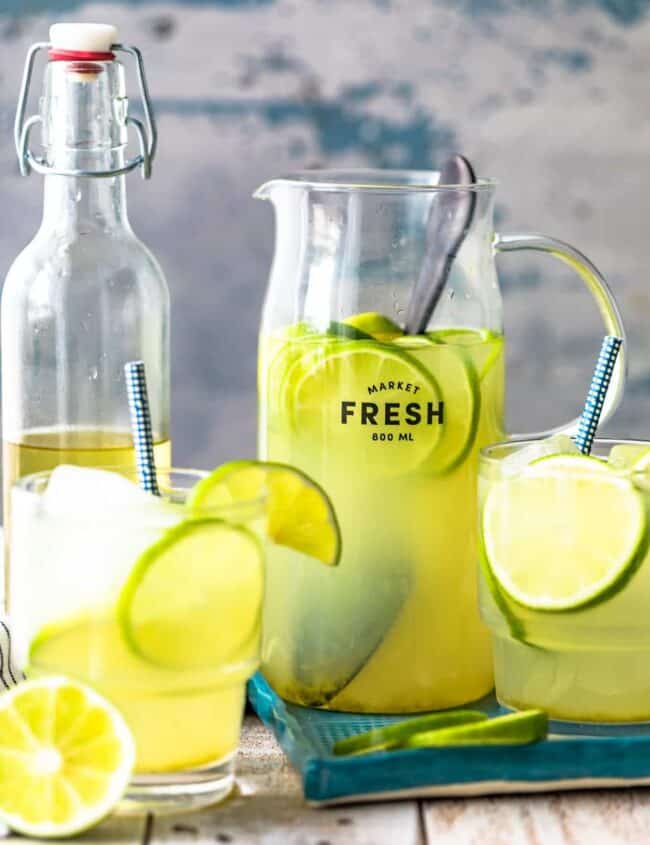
[{"x": 605, "y": 301}]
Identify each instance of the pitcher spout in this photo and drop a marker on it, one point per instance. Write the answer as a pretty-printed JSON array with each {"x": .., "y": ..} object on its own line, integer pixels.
[{"x": 265, "y": 191}]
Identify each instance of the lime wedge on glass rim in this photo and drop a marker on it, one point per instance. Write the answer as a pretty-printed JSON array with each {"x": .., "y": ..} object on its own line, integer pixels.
[
  {"x": 66, "y": 757},
  {"x": 300, "y": 514},
  {"x": 192, "y": 600},
  {"x": 566, "y": 533}
]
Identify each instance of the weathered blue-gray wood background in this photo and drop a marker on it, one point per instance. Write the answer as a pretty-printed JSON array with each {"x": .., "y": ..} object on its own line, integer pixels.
[{"x": 550, "y": 96}]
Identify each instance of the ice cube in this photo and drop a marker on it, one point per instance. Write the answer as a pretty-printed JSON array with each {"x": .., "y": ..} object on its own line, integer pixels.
[
  {"x": 75, "y": 546},
  {"x": 558, "y": 444},
  {"x": 79, "y": 490},
  {"x": 626, "y": 455}
]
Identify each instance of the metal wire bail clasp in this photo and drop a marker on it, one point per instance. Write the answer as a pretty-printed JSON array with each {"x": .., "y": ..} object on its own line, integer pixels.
[{"x": 147, "y": 133}]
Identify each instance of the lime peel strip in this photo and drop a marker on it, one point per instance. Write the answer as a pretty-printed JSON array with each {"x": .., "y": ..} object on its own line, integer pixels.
[
  {"x": 390, "y": 736},
  {"x": 520, "y": 728}
]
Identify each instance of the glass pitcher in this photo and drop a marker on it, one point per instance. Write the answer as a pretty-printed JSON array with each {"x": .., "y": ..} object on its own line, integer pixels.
[{"x": 390, "y": 424}]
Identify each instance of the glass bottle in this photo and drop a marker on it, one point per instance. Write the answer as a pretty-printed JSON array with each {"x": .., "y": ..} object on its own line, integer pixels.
[{"x": 85, "y": 295}]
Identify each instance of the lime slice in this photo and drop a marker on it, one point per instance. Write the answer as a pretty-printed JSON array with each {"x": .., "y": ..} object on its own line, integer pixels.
[
  {"x": 513, "y": 729},
  {"x": 452, "y": 367},
  {"x": 299, "y": 512},
  {"x": 484, "y": 346},
  {"x": 278, "y": 352},
  {"x": 347, "y": 331},
  {"x": 193, "y": 599},
  {"x": 390, "y": 736},
  {"x": 298, "y": 330},
  {"x": 515, "y": 625},
  {"x": 356, "y": 398},
  {"x": 374, "y": 324},
  {"x": 66, "y": 757},
  {"x": 566, "y": 533}
]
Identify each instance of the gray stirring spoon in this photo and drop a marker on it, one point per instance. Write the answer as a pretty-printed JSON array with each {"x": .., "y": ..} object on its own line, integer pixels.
[{"x": 450, "y": 218}]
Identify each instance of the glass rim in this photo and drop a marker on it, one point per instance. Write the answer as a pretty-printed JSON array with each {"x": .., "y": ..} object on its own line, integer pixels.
[
  {"x": 375, "y": 179},
  {"x": 487, "y": 453},
  {"x": 28, "y": 483}
]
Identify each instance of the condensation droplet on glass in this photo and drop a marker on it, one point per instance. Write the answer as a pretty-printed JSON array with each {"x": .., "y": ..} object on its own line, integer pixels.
[
  {"x": 452, "y": 294},
  {"x": 94, "y": 372},
  {"x": 77, "y": 196}
]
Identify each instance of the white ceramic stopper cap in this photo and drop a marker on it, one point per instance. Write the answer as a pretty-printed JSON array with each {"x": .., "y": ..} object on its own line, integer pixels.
[{"x": 85, "y": 37}]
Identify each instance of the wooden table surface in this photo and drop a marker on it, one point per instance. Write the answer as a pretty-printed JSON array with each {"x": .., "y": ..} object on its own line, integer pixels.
[{"x": 268, "y": 809}]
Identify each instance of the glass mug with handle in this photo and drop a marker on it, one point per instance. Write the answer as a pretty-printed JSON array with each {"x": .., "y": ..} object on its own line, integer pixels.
[{"x": 390, "y": 423}]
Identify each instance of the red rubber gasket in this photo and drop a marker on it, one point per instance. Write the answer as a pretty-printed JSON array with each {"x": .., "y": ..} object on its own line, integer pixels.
[{"x": 79, "y": 55}]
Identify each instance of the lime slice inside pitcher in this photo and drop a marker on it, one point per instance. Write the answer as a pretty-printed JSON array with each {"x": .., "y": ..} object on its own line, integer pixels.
[
  {"x": 566, "y": 533},
  {"x": 367, "y": 400},
  {"x": 299, "y": 512},
  {"x": 376, "y": 325},
  {"x": 192, "y": 600},
  {"x": 484, "y": 345},
  {"x": 455, "y": 372}
]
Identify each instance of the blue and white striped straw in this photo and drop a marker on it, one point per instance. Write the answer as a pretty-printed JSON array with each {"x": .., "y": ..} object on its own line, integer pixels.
[
  {"x": 597, "y": 392},
  {"x": 136, "y": 386}
]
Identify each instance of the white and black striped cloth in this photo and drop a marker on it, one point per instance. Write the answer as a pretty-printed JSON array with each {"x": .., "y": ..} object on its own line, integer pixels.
[{"x": 9, "y": 672}]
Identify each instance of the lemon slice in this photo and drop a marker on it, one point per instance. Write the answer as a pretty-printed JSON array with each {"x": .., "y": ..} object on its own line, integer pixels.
[
  {"x": 300, "y": 514},
  {"x": 566, "y": 533},
  {"x": 193, "y": 599},
  {"x": 66, "y": 757}
]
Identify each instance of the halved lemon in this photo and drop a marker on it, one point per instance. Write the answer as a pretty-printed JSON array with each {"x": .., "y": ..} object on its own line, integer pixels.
[{"x": 66, "y": 757}]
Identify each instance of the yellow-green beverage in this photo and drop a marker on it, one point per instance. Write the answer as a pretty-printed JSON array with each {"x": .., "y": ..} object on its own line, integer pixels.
[
  {"x": 565, "y": 577},
  {"x": 390, "y": 427},
  {"x": 155, "y": 604},
  {"x": 44, "y": 449}
]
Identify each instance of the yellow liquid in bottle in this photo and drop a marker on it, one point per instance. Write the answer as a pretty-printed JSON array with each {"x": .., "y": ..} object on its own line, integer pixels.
[{"x": 43, "y": 449}]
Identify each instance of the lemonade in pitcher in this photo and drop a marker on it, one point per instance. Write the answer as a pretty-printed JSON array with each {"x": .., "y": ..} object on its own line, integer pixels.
[
  {"x": 401, "y": 631},
  {"x": 381, "y": 375}
]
